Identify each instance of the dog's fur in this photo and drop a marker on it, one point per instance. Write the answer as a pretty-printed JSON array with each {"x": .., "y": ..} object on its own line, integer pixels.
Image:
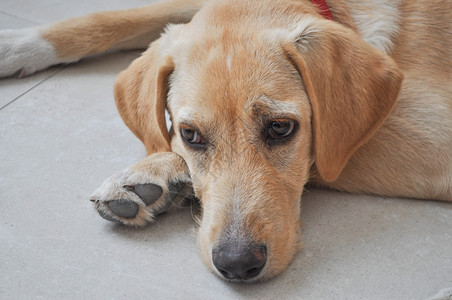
[{"x": 370, "y": 92}]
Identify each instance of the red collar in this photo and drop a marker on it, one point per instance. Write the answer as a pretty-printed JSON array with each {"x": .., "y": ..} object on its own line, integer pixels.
[{"x": 323, "y": 8}]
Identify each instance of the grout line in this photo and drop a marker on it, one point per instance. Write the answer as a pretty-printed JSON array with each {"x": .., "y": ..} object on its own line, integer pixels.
[
  {"x": 17, "y": 17},
  {"x": 36, "y": 85}
]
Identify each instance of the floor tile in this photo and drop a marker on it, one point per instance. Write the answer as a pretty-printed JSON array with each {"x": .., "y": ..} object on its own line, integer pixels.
[
  {"x": 13, "y": 88},
  {"x": 12, "y": 22}
]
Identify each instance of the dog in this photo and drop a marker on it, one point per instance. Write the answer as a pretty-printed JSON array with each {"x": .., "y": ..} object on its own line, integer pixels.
[{"x": 265, "y": 97}]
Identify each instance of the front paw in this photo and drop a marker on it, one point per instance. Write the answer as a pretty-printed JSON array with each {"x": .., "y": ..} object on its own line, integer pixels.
[{"x": 136, "y": 195}]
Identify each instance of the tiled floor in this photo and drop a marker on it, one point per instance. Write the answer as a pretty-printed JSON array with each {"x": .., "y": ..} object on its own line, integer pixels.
[{"x": 60, "y": 136}]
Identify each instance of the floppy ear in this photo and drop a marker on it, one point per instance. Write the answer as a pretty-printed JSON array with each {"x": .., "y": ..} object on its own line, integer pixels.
[
  {"x": 352, "y": 88},
  {"x": 140, "y": 93}
]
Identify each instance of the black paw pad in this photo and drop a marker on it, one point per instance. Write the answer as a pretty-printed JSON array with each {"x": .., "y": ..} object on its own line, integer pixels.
[
  {"x": 123, "y": 208},
  {"x": 106, "y": 216},
  {"x": 148, "y": 193}
]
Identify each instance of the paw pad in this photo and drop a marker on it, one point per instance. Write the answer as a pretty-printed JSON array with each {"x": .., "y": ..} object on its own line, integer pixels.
[
  {"x": 123, "y": 208},
  {"x": 148, "y": 193}
]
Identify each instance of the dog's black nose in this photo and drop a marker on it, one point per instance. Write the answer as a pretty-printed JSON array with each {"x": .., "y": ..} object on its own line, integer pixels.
[{"x": 239, "y": 262}]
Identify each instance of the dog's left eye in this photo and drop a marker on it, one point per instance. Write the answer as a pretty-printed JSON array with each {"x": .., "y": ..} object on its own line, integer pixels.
[
  {"x": 280, "y": 130},
  {"x": 191, "y": 136}
]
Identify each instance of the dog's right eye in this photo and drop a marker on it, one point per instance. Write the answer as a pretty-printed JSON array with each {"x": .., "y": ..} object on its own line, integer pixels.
[{"x": 191, "y": 136}]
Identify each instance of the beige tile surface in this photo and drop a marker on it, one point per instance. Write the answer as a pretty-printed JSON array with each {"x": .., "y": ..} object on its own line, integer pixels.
[
  {"x": 62, "y": 137},
  {"x": 12, "y": 88},
  {"x": 8, "y": 21}
]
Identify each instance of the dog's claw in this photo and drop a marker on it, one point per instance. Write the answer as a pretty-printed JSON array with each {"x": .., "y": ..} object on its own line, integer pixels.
[
  {"x": 165, "y": 207},
  {"x": 179, "y": 191}
]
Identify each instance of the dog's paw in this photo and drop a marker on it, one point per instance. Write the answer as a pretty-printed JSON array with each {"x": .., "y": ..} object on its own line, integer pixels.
[
  {"x": 24, "y": 52},
  {"x": 136, "y": 195}
]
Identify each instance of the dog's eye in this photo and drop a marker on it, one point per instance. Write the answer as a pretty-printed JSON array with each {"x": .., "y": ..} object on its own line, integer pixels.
[
  {"x": 191, "y": 136},
  {"x": 281, "y": 130}
]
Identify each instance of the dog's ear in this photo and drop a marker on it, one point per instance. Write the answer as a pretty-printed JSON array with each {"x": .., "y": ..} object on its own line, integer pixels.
[
  {"x": 352, "y": 88},
  {"x": 140, "y": 93}
]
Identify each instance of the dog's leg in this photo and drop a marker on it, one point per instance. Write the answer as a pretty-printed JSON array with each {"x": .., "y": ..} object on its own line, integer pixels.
[
  {"x": 136, "y": 195},
  {"x": 26, "y": 51}
]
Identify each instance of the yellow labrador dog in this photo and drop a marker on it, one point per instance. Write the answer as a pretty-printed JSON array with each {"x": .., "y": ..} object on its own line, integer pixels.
[{"x": 265, "y": 96}]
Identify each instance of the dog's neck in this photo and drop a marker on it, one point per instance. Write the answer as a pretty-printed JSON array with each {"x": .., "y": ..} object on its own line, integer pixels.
[{"x": 376, "y": 24}]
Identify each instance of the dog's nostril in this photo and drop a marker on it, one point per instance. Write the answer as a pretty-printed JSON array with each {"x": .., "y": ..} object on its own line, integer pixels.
[
  {"x": 226, "y": 274},
  {"x": 239, "y": 262},
  {"x": 253, "y": 272}
]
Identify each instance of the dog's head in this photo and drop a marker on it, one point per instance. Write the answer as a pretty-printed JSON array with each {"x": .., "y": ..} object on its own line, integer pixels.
[{"x": 259, "y": 96}]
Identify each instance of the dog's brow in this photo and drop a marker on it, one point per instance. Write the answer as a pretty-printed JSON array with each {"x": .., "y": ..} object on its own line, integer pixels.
[
  {"x": 264, "y": 105},
  {"x": 189, "y": 114}
]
